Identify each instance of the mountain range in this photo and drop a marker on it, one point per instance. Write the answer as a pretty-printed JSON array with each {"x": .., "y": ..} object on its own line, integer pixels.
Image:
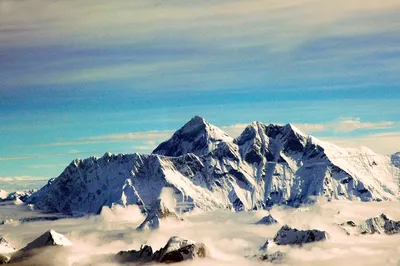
[{"x": 265, "y": 165}]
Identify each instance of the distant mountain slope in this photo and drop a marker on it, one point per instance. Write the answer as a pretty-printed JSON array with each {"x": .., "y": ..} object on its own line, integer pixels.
[
  {"x": 265, "y": 165},
  {"x": 395, "y": 158}
]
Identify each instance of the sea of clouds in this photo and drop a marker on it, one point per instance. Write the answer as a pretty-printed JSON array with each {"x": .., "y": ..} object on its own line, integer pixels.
[{"x": 230, "y": 237}]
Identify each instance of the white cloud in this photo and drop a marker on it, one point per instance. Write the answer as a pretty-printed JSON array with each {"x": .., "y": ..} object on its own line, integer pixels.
[
  {"x": 144, "y": 136},
  {"x": 384, "y": 143},
  {"x": 22, "y": 178},
  {"x": 345, "y": 125}
]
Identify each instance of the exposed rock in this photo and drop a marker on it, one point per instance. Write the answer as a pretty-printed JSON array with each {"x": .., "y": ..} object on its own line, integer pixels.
[
  {"x": 276, "y": 257},
  {"x": 156, "y": 213},
  {"x": 176, "y": 250},
  {"x": 349, "y": 227},
  {"x": 380, "y": 225},
  {"x": 145, "y": 254},
  {"x": 292, "y": 236},
  {"x": 267, "y": 220}
]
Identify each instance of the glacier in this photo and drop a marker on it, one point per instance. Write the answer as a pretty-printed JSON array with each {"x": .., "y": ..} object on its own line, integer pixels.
[{"x": 207, "y": 169}]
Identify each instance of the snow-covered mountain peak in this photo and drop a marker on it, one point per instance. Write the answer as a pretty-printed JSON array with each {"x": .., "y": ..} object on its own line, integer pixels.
[
  {"x": 265, "y": 165},
  {"x": 196, "y": 136}
]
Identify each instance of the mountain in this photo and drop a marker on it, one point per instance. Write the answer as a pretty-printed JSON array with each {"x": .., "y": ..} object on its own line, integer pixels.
[
  {"x": 265, "y": 165},
  {"x": 395, "y": 158},
  {"x": 196, "y": 136}
]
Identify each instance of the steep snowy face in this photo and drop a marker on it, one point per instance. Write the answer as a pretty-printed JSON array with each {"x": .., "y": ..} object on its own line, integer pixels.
[
  {"x": 196, "y": 136},
  {"x": 260, "y": 142},
  {"x": 49, "y": 238},
  {"x": 265, "y": 165},
  {"x": 395, "y": 158}
]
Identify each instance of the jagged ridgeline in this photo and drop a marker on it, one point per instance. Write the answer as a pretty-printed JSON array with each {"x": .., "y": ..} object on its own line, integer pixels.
[{"x": 265, "y": 165}]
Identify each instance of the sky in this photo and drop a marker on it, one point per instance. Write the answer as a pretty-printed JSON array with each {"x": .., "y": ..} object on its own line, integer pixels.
[{"x": 81, "y": 78}]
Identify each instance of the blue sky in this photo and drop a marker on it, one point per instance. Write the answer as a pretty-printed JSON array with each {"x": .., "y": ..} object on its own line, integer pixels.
[{"x": 79, "y": 78}]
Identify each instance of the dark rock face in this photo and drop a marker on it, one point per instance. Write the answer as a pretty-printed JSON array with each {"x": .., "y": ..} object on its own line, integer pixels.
[
  {"x": 267, "y": 220},
  {"x": 292, "y": 236},
  {"x": 145, "y": 254},
  {"x": 276, "y": 257},
  {"x": 380, "y": 225},
  {"x": 157, "y": 212},
  {"x": 176, "y": 250}
]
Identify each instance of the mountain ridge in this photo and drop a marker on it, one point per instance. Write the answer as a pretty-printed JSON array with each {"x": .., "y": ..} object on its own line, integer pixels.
[{"x": 265, "y": 165}]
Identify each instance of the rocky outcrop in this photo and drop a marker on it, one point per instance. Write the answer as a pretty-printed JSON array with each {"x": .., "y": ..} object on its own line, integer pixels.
[
  {"x": 292, "y": 236},
  {"x": 158, "y": 211},
  {"x": 267, "y": 220},
  {"x": 277, "y": 257},
  {"x": 176, "y": 250},
  {"x": 380, "y": 225},
  {"x": 376, "y": 225}
]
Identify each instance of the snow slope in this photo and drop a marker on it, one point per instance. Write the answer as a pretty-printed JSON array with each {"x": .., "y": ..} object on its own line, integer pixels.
[
  {"x": 196, "y": 136},
  {"x": 265, "y": 165}
]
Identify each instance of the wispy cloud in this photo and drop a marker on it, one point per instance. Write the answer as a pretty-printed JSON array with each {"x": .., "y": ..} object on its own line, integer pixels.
[
  {"x": 346, "y": 125},
  {"x": 222, "y": 35},
  {"x": 22, "y": 178},
  {"x": 36, "y": 156},
  {"x": 146, "y": 141},
  {"x": 384, "y": 143},
  {"x": 343, "y": 125},
  {"x": 16, "y": 183}
]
